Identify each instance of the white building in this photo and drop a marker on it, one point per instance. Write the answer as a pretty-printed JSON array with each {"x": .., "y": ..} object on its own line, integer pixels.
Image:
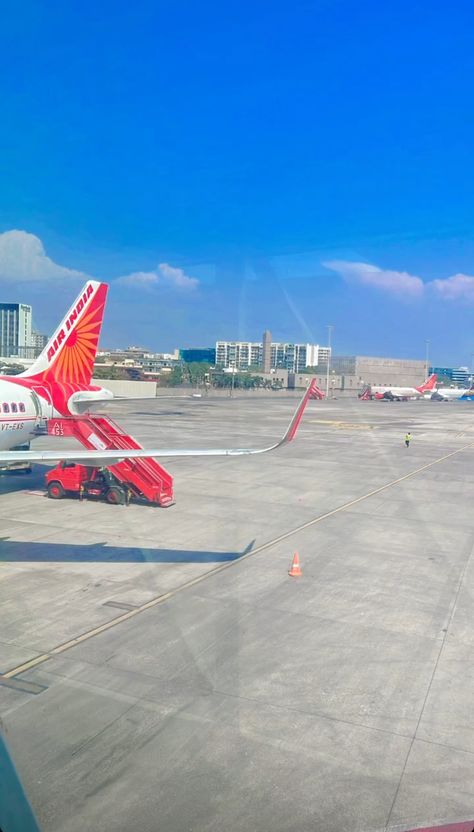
[
  {"x": 241, "y": 354},
  {"x": 38, "y": 341},
  {"x": 293, "y": 357},
  {"x": 15, "y": 329}
]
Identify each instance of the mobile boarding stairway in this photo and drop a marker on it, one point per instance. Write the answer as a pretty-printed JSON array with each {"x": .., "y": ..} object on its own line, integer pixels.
[{"x": 144, "y": 476}]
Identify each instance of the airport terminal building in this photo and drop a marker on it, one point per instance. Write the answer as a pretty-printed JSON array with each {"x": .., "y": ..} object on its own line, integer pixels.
[
  {"x": 370, "y": 370},
  {"x": 356, "y": 372}
]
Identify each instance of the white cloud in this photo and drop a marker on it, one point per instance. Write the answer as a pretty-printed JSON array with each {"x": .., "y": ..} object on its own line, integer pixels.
[
  {"x": 397, "y": 283},
  {"x": 177, "y": 277},
  {"x": 164, "y": 275},
  {"x": 23, "y": 259},
  {"x": 139, "y": 278},
  {"x": 456, "y": 287}
]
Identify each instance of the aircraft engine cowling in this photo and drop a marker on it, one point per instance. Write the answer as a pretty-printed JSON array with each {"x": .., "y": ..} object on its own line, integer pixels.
[{"x": 84, "y": 400}]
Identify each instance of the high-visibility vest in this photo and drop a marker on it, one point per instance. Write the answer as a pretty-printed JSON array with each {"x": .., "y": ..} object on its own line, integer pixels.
[{"x": 408, "y": 437}]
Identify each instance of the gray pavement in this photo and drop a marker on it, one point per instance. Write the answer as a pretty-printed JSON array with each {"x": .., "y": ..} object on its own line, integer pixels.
[{"x": 249, "y": 700}]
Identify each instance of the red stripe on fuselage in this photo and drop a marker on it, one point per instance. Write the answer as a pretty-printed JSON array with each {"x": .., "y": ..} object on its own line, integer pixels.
[{"x": 58, "y": 392}]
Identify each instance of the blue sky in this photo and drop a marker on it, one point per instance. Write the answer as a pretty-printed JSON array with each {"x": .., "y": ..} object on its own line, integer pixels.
[{"x": 243, "y": 146}]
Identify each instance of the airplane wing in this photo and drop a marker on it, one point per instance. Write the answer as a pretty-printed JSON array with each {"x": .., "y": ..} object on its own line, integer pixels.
[
  {"x": 83, "y": 402},
  {"x": 145, "y": 398},
  {"x": 109, "y": 457}
]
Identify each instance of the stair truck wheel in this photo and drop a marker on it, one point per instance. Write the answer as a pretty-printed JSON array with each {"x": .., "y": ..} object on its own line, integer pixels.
[
  {"x": 55, "y": 490},
  {"x": 115, "y": 496}
]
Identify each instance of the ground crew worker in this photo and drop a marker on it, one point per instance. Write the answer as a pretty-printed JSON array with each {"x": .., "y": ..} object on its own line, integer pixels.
[
  {"x": 128, "y": 495},
  {"x": 81, "y": 492},
  {"x": 408, "y": 439}
]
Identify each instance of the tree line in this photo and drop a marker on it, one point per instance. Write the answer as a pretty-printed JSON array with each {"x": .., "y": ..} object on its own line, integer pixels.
[{"x": 199, "y": 374}]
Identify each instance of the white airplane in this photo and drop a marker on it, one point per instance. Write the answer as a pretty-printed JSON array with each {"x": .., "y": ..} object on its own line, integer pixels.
[
  {"x": 447, "y": 394},
  {"x": 400, "y": 393},
  {"x": 58, "y": 385}
]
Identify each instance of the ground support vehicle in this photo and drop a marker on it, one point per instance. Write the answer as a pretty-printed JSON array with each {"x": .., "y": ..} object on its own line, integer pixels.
[
  {"x": 143, "y": 477},
  {"x": 69, "y": 479}
]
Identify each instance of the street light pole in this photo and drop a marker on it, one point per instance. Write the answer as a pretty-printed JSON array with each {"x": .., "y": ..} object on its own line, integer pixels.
[
  {"x": 328, "y": 367},
  {"x": 427, "y": 350}
]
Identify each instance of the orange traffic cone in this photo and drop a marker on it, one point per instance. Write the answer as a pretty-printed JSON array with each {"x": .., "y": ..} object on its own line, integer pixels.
[{"x": 295, "y": 571}]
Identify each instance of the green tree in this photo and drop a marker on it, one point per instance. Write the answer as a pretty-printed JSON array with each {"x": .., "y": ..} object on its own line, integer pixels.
[
  {"x": 315, "y": 371},
  {"x": 173, "y": 379},
  {"x": 242, "y": 381},
  {"x": 196, "y": 372},
  {"x": 112, "y": 373}
]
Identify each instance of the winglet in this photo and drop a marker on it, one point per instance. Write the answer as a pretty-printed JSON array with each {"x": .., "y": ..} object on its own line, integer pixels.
[{"x": 298, "y": 415}]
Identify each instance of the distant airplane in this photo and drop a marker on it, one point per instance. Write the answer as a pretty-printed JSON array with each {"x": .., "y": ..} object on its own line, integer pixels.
[
  {"x": 446, "y": 394},
  {"x": 401, "y": 393},
  {"x": 58, "y": 385}
]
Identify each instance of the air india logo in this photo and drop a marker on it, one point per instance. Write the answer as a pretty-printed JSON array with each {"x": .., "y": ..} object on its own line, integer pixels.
[
  {"x": 73, "y": 350},
  {"x": 70, "y": 322}
]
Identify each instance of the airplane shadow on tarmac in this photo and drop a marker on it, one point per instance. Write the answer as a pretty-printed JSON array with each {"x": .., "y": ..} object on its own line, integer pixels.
[
  {"x": 14, "y": 551},
  {"x": 9, "y": 483}
]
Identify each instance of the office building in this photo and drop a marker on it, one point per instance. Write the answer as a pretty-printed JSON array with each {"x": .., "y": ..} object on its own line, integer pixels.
[
  {"x": 201, "y": 354},
  {"x": 297, "y": 357},
  {"x": 292, "y": 357},
  {"x": 240, "y": 354},
  {"x": 15, "y": 329},
  {"x": 137, "y": 359},
  {"x": 38, "y": 342},
  {"x": 452, "y": 377}
]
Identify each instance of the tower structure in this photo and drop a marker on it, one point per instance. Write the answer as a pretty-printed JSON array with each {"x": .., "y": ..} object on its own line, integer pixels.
[{"x": 267, "y": 351}]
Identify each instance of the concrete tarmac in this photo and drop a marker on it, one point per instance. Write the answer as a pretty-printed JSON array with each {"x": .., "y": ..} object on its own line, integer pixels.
[{"x": 161, "y": 671}]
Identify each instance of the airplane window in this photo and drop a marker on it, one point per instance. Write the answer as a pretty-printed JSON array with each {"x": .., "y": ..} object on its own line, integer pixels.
[
  {"x": 22, "y": 407},
  {"x": 6, "y": 407},
  {"x": 14, "y": 408}
]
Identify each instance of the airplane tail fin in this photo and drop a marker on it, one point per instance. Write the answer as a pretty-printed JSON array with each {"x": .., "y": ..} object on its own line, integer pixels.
[
  {"x": 428, "y": 385},
  {"x": 69, "y": 355}
]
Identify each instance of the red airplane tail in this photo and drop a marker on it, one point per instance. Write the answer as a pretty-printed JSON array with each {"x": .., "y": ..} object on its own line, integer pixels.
[
  {"x": 69, "y": 355},
  {"x": 428, "y": 385}
]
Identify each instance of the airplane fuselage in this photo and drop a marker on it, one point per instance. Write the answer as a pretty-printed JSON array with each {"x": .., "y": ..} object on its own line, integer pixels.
[
  {"x": 397, "y": 392},
  {"x": 24, "y": 404},
  {"x": 450, "y": 393},
  {"x": 19, "y": 414}
]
